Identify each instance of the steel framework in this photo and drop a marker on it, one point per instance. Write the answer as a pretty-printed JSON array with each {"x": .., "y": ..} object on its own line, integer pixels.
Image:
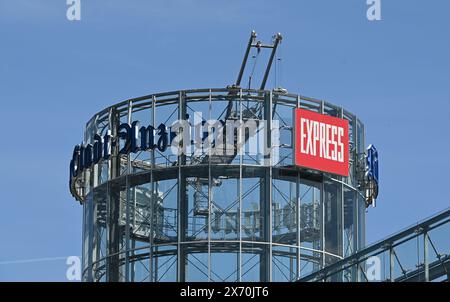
[
  {"x": 420, "y": 253},
  {"x": 154, "y": 216}
]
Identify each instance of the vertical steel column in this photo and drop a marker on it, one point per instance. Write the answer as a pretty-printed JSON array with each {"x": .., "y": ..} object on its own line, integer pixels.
[
  {"x": 114, "y": 204},
  {"x": 91, "y": 235},
  {"x": 84, "y": 248},
  {"x": 269, "y": 115},
  {"x": 391, "y": 263},
  {"x": 182, "y": 202},
  {"x": 94, "y": 183},
  {"x": 152, "y": 204},
  {"x": 292, "y": 272},
  {"x": 357, "y": 230},
  {"x": 342, "y": 241},
  {"x": 322, "y": 205},
  {"x": 95, "y": 250},
  {"x": 133, "y": 242},
  {"x": 342, "y": 226},
  {"x": 133, "y": 265},
  {"x": 316, "y": 245},
  {"x": 425, "y": 256},
  {"x": 127, "y": 204},
  {"x": 108, "y": 198},
  {"x": 95, "y": 168},
  {"x": 266, "y": 196},
  {"x": 209, "y": 192},
  {"x": 322, "y": 210},
  {"x": 299, "y": 239},
  {"x": 239, "y": 216}
]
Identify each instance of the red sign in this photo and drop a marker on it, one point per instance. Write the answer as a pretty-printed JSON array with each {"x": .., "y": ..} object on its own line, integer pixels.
[{"x": 321, "y": 142}]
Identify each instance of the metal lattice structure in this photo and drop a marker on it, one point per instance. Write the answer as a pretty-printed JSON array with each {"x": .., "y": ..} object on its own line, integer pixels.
[
  {"x": 155, "y": 216},
  {"x": 420, "y": 253}
]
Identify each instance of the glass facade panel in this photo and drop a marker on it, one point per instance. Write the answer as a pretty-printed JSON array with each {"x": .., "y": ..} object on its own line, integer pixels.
[
  {"x": 332, "y": 219},
  {"x": 284, "y": 264},
  {"x": 152, "y": 216},
  {"x": 349, "y": 239},
  {"x": 311, "y": 215},
  {"x": 284, "y": 212},
  {"x": 225, "y": 265},
  {"x": 251, "y": 219}
]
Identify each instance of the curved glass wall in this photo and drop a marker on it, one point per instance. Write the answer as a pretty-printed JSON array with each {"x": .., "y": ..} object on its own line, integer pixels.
[{"x": 155, "y": 216}]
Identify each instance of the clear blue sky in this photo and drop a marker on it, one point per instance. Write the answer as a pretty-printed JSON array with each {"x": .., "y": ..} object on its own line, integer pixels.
[{"x": 55, "y": 74}]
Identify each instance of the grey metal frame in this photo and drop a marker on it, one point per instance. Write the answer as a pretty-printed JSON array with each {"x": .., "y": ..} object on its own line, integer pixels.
[
  {"x": 122, "y": 253},
  {"x": 429, "y": 267}
]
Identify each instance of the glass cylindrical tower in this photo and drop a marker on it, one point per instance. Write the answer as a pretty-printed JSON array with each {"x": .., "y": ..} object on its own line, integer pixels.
[{"x": 152, "y": 215}]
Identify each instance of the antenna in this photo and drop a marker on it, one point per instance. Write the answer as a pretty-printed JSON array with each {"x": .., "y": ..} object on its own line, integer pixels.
[
  {"x": 259, "y": 45},
  {"x": 274, "y": 47},
  {"x": 253, "y": 36}
]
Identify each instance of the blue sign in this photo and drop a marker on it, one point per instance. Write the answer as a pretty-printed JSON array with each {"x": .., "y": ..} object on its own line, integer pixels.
[{"x": 372, "y": 164}]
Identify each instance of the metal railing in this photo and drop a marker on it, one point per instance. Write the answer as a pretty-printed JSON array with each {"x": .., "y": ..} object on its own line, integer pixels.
[{"x": 420, "y": 253}]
